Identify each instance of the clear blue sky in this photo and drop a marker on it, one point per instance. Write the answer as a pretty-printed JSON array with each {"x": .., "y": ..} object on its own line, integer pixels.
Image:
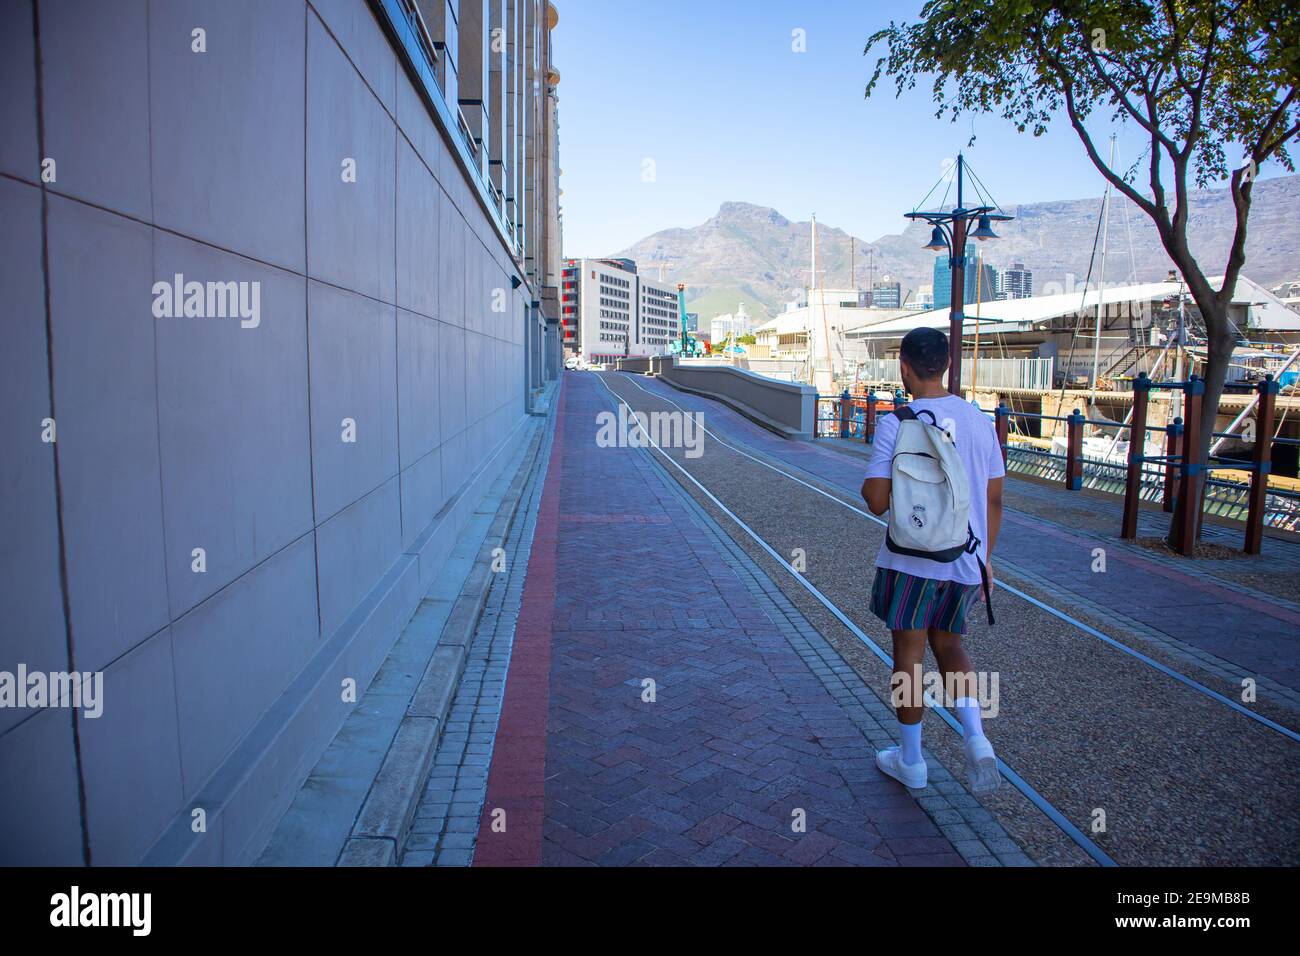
[{"x": 712, "y": 92}]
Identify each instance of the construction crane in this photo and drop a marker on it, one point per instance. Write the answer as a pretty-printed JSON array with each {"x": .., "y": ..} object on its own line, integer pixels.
[{"x": 687, "y": 346}]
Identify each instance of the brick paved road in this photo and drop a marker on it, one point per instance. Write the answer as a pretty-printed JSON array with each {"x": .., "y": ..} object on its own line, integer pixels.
[{"x": 737, "y": 739}]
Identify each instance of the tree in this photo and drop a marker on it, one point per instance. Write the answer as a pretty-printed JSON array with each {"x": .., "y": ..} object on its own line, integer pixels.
[{"x": 1211, "y": 83}]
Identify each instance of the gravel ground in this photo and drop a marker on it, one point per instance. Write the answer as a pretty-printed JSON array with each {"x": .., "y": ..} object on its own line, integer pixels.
[{"x": 1182, "y": 780}]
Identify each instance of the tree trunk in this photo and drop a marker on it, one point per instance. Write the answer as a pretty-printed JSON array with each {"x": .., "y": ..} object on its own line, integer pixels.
[{"x": 1220, "y": 344}]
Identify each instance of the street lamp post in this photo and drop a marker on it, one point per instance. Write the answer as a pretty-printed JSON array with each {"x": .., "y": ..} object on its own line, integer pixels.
[{"x": 949, "y": 234}]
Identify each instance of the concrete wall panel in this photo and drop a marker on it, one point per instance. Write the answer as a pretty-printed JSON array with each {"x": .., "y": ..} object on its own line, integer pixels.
[
  {"x": 350, "y": 225},
  {"x": 417, "y": 385},
  {"x": 422, "y": 496},
  {"x": 131, "y": 755},
  {"x": 31, "y": 601},
  {"x": 452, "y": 279},
  {"x": 415, "y": 122},
  {"x": 418, "y": 200},
  {"x": 361, "y": 38},
  {"x": 235, "y": 443},
  {"x": 227, "y": 152},
  {"x": 353, "y": 353},
  {"x": 451, "y": 380},
  {"x": 95, "y": 66},
  {"x": 18, "y": 152},
  {"x": 101, "y": 274},
  {"x": 39, "y": 817},
  {"x": 238, "y": 651},
  {"x": 354, "y": 549}
]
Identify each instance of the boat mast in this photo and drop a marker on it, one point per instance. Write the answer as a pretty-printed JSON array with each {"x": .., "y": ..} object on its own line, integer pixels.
[{"x": 1101, "y": 285}]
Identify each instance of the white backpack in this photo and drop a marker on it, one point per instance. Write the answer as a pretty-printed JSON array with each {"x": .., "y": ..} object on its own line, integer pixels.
[{"x": 929, "y": 504}]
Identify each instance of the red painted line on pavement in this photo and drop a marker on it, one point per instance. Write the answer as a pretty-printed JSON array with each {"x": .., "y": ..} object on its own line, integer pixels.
[{"x": 517, "y": 773}]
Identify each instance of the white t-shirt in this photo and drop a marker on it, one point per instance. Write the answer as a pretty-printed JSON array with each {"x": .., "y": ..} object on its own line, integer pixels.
[{"x": 977, "y": 444}]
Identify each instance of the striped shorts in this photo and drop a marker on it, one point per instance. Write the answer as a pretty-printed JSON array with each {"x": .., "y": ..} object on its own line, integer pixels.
[{"x": 906, "y": 602}]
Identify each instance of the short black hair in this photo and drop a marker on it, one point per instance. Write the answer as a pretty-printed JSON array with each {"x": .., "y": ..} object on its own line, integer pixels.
[{"x": 926, "y": 351}]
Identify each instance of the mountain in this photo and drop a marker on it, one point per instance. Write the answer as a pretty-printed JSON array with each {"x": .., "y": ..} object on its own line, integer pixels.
[{"x": 756, "y": 255}]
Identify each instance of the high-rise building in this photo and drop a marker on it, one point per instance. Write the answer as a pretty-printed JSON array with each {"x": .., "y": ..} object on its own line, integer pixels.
[
  {"x": 979, "y": 284},
  {"x": 1016, "y": 282},
  {"x": 570, "y": 307},
  {"x": 620, "y": 312}
]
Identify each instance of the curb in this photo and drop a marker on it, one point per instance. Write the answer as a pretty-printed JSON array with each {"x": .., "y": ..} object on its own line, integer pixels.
[{"x": 379, "y": 835}]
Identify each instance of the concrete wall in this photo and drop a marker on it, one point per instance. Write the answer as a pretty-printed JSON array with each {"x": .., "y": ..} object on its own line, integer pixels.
[
  {"x": 789, "y": 408},
  {"x": 222, "y": 687}
]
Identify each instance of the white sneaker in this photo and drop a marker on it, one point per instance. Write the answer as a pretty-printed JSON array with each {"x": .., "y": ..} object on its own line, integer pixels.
[
  {"x": 981, "y": 765},
  {"x": 911, "y": 775}
]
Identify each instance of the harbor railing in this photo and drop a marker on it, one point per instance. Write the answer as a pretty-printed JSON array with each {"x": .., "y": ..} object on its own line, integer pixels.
[
  {"x": 850, "y": 416},
  {"x": 1169, "y": 477}
]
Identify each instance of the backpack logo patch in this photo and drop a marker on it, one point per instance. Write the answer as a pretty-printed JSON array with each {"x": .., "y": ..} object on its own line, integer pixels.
[{"x": 918, "y": 516}]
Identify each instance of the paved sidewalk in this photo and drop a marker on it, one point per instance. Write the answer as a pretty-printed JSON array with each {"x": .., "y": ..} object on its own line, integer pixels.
[{"x": 656, "y": 712}]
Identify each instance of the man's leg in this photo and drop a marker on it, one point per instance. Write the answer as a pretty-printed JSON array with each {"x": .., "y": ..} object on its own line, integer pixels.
[
  {"x": 954, "y": 662},
  {"x": 909, "y": 656},
  {"x": 960, "y": 680},
  {"x": 905, "y": 692}
]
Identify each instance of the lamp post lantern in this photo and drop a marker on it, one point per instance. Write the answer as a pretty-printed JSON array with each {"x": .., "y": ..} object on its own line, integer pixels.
[{"x": 949, "y": 234}]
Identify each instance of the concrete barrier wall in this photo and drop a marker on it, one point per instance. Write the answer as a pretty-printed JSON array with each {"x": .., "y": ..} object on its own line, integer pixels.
[
  {"x": 786, "y": 407},
  {"x": 174, "y": 434},
  {"x": 633, "y": 364}
]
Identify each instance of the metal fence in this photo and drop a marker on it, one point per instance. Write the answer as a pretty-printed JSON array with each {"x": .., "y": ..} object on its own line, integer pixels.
[
  {"x": 1228, "y": 499},
  {"x": 1135, "y": 473}
]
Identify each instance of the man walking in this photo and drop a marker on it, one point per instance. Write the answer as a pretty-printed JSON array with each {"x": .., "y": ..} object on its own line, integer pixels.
[{"x": 924, "y": 596}]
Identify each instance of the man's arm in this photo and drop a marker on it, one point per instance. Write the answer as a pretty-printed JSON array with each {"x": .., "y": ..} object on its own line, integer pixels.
[
  {"x": 877, "y": 485},
  {"x": 993, "y": 518},
  {"x": 875, "y": 492}
]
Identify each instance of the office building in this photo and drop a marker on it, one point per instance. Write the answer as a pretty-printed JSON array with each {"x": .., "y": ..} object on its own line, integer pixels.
[
  {"x": 619, "y": 312},
  {"x": 1016, "y": 282},
  {"x": 886, "y": 294},
  {"x": 980, "y": 285}
]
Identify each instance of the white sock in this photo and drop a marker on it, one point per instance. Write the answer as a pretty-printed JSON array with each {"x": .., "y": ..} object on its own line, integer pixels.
[
  {"x": 910, "y": 742},
  {"x": 968, "y": 712}
]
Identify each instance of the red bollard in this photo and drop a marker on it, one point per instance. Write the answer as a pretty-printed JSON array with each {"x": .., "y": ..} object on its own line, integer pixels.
[
  {"x": 1263, "y": 460},
  {"x": 1136, "y": 452},
  {"x": 844, "y": 414},
  {"x": 1074, "y": 451},
  {"x": 869, "y": 423},
  {"x": 1173, "y": 442},
  {"x": 1182, "y": 531},
  {"x": 1002, "y": 415}
]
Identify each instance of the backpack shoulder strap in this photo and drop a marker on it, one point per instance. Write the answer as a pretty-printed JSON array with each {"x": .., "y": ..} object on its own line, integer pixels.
[{"x": 905, "y": 414}]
